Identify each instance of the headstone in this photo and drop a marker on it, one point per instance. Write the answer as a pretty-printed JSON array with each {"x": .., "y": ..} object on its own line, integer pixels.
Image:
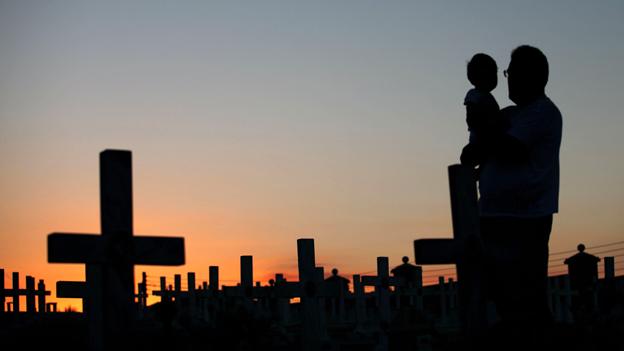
[
  {"x": 382, "y": 283},
  {"x": 409, "y": 289},
  {"x": 245, "y": 290},
  {"x": 282, "y": 304},
  {"x": 340, "y": 285},
  {"x": 111, "y": 256},
  {"x": 410, "y": 273},
  {"x": 213, "y": 278},
  {"x": 177, "y": 287},
  {"x": 360, "y": 301},
  {"x": 246, "y": 274},
  {"x": 464, "y": 250},
  {"x": 30, "y": 294},
  {"x": 192, "y": 297},
  {"x": 311, "y": 333},
  {"x": 583, "y": 273}
]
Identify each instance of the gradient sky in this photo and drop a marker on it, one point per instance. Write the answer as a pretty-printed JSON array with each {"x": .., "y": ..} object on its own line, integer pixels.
[{"x": 256, "y": 123}]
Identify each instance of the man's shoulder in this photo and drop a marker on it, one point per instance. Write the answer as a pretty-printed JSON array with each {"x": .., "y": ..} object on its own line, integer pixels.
[
  {"x": 545, "y": 106},
  {"x": 541, "y": 109}
]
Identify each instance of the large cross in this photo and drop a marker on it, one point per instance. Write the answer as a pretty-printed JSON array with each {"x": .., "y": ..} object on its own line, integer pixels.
[
  {"x": 111, "y": 256},
  {"x": 464, "y": 250}
]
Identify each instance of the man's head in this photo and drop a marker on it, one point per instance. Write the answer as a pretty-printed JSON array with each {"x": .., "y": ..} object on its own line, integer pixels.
[
  {"x": 482, "y": 72},
  {"x": 527, "y": 74}
]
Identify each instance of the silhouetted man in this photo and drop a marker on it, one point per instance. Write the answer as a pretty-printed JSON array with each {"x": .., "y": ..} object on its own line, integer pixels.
[{"x": 519, "y": 190}]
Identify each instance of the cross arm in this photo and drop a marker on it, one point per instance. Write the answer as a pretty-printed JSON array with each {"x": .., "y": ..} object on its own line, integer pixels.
[
  {"x": 67, "y": 289},
  {"x": 90, "y": 248},
  {"x": 9, "y": 292},
  {"x": 437, "y": 251}
]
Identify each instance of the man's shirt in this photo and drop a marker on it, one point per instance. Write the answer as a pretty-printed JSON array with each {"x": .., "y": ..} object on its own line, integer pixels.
[{"x": 528, "y": 187}]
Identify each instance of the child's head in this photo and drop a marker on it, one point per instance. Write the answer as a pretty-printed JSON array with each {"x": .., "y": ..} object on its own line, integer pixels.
[{"x": 482, "y": 72}]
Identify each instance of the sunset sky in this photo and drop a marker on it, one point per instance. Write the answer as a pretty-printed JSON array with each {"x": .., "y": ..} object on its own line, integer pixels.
[{"x": 256, "y": 123}]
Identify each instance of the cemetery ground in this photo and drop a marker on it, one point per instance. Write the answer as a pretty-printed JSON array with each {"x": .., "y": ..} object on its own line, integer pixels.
[{"x": 237, "y": 330}]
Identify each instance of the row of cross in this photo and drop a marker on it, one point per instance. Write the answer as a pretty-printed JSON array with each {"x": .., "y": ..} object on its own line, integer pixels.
[
  {"x": 109, "y": 260},
  {"x": 35, "y": 297},
  {"x": 110, "y": 257}
]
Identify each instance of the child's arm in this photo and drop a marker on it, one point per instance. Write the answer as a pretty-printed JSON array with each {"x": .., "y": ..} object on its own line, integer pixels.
[{"x": 494, "y": 141}]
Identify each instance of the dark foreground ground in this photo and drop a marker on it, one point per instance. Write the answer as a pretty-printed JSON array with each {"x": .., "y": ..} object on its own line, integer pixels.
[{"x": 67, "y": 331}]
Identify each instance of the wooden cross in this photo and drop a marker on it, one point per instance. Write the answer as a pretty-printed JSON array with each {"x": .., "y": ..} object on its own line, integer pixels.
[
  {"x": 464, "y": 250},
  {"x": 111, "y": 256}
]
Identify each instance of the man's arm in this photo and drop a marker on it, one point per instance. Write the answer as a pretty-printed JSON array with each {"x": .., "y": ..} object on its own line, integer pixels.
[{"x": 493, "y": 142}]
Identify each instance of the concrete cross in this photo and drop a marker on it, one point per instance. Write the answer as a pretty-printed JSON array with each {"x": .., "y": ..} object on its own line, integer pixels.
[
  {"x": 111, "y": 256},
  {"x": 464, "y": 250}
]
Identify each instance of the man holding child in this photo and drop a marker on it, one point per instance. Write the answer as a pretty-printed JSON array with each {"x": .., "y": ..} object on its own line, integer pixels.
[{"x": 517, "y": 152}]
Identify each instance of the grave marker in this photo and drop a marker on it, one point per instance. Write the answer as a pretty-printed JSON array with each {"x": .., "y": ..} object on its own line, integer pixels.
[
  {"x": 111, "y": 256},
  {"x": 463, "y": 250}
]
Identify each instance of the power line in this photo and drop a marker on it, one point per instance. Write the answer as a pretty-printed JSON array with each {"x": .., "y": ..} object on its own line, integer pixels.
[{"x": 590, "y": 247}]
